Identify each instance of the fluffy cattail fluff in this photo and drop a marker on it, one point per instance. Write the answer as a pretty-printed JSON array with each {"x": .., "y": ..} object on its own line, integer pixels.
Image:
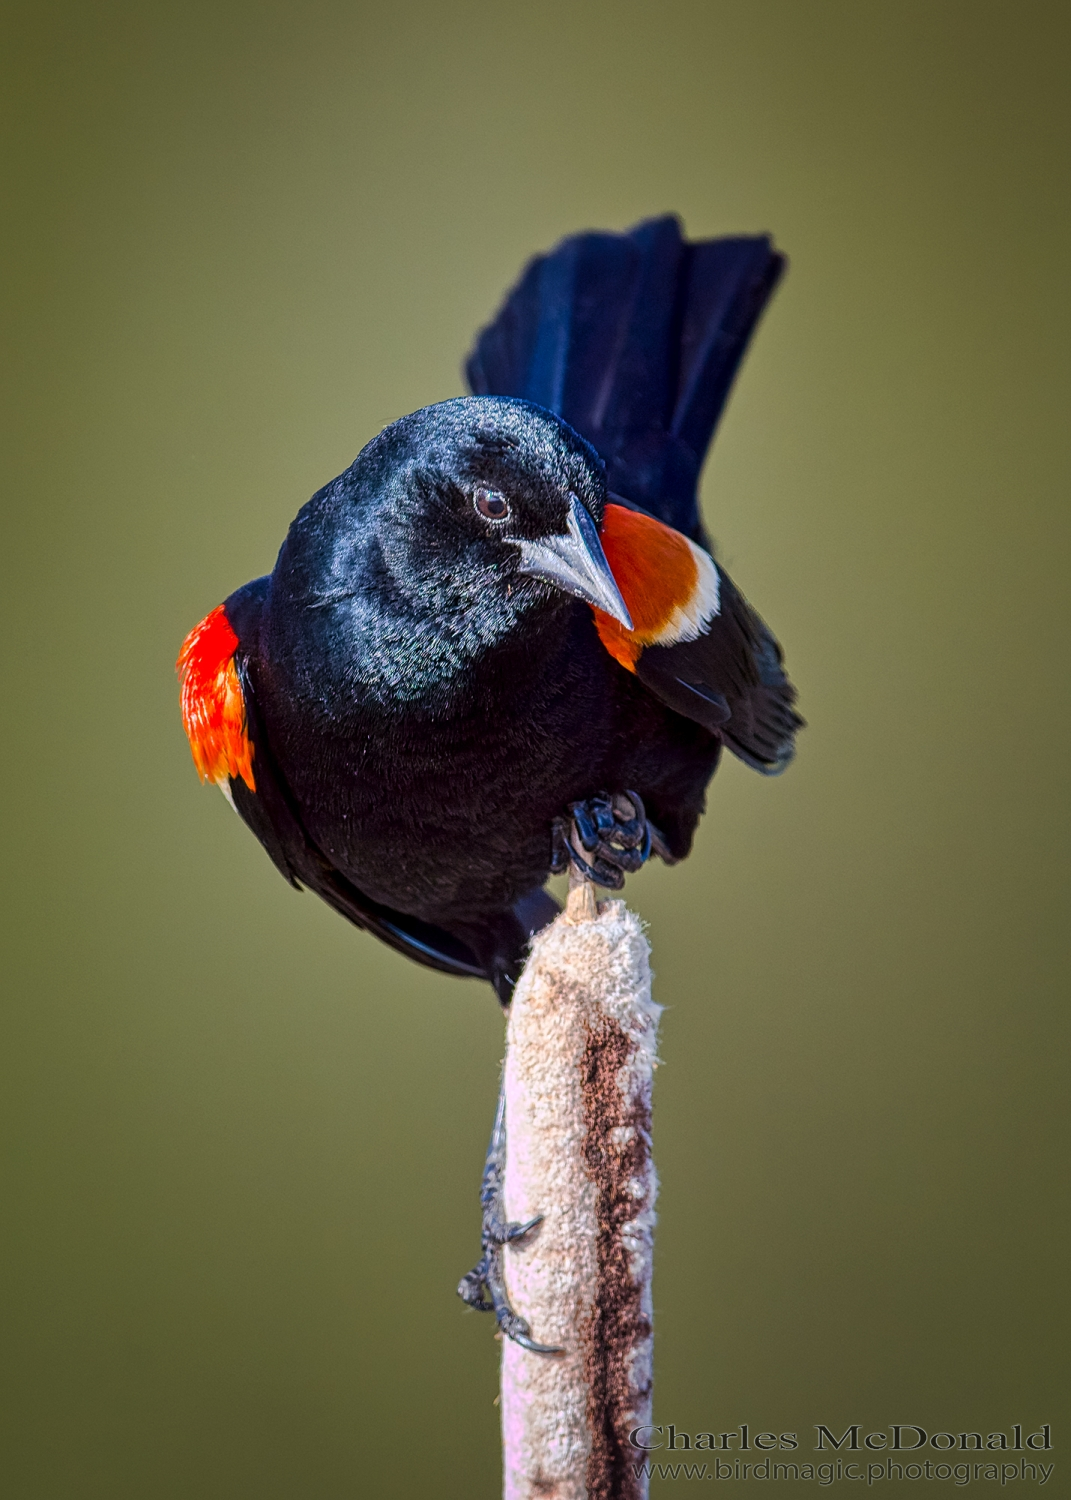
[{"x": 580, "y": 1053}]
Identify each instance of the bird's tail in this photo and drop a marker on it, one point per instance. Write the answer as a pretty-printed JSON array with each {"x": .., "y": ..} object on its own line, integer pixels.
[{"x": 634, "y": 340}]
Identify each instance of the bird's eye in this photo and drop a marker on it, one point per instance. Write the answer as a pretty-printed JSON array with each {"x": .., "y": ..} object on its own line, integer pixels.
[{"x": 490, "y": 504}]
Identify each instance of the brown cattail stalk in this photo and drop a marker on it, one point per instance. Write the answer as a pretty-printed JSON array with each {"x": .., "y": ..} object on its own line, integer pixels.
[{"x": 580, "y": 1052}]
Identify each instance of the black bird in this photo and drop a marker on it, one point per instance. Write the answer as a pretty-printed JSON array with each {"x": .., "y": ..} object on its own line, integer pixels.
[{"x": 497, "y": 643}]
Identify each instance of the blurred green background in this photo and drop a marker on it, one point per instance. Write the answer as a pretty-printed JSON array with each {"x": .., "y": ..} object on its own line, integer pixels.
[{"x": 242, "y": 1141}]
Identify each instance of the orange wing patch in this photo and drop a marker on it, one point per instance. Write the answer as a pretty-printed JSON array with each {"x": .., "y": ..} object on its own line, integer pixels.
[
  {"x": 670, "y": 585},
  {"x": 213, "y": 709}
]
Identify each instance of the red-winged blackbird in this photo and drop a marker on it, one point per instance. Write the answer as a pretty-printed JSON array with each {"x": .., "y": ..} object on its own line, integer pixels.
[{"x": 497, "y": 642}]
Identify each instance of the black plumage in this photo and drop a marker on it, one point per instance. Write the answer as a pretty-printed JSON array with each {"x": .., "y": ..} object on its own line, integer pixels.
[{"x": 423, "y": 693}]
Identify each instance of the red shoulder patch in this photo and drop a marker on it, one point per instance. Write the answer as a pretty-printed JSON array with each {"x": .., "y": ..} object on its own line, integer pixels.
[
  {"x": 670, "y": 585},
  {"x": 213, "y": 709}
]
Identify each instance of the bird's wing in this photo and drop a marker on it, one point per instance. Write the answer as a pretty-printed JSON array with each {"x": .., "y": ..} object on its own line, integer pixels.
[
  {"x": 634, "y": 339},
  {"x": 231, "y": 747},
  {"x": 697, "y": 644}
]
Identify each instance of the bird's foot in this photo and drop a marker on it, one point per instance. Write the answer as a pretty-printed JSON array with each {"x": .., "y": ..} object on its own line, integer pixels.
[
  {"x": 484, "y": 1287},
  {"x": 605, "y": 838}
]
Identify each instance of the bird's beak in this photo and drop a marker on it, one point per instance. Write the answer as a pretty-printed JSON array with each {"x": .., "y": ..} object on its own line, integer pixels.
[{"x": 576, "y": 563}]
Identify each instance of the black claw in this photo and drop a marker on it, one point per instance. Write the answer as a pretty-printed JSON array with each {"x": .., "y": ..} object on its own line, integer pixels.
[
  {"x": 659, "y": 845},
  {"x": 515, "y": 1232},
  {"x": 521, "y": 1336}
]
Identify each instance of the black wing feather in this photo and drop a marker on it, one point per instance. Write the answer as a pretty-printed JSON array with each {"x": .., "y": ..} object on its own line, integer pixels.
[
  {"x": 732, "y": 681},
  {"x": 273, "y": 816}
]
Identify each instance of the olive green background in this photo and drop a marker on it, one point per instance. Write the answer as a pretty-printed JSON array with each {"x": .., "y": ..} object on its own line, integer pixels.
[{"x": 241, "y": 1140}]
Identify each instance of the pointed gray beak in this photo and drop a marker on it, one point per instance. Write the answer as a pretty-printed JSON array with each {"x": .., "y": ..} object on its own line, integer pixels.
[{"x": 576, "y": 563}]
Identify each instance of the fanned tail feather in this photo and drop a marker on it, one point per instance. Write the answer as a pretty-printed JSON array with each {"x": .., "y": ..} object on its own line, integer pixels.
[{"x": 633, "y": 339}]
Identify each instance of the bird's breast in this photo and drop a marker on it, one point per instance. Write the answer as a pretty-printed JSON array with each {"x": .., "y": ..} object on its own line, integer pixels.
[{"x": 442, "y": 802}]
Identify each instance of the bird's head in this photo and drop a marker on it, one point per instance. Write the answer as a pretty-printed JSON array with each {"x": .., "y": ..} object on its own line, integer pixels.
[{"x": 471, "y": 513}]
